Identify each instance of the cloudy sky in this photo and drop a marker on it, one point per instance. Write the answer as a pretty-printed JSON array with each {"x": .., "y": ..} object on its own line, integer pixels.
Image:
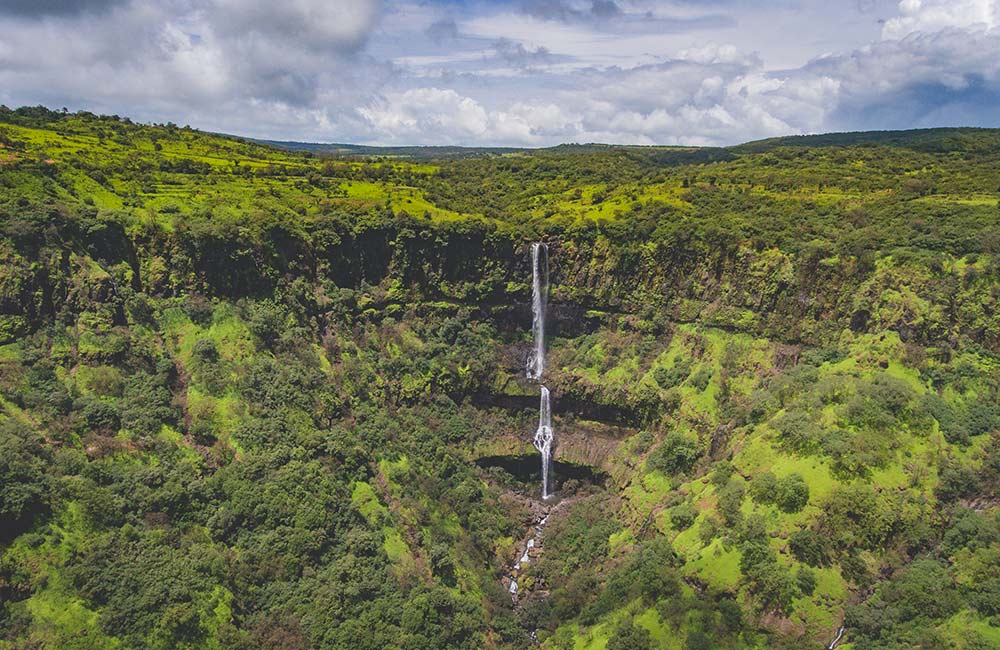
[{"x": 510, "y": 72}]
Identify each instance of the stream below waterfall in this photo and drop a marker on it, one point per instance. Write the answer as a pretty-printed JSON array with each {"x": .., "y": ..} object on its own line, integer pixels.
[
  {"x": 836, "y": 640},
  {"x": 532, "y": 548}
]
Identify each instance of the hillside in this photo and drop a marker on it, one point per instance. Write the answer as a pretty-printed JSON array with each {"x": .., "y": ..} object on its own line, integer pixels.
[{"x": 259, "y": 397}]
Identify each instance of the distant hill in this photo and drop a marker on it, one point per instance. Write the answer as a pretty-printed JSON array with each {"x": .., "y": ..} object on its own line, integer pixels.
[
  {"x": 660, "y": 155},
  {"x": 450, "y": 152},
  {"x": 409, "y": 152},
  {"x": 939, "y": 140}
]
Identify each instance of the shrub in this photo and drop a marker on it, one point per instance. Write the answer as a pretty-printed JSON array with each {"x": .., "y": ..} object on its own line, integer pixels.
[
  {"x": 982, "y": 417},
  {"x": 957, "y": 482},
  {"x": 952, "y": 426},
  {"x": 854, "y": 454},
  {"x": 267, "y": 321},
  {"x": 722, "y": 472},
  {"x": 204, "y": 351},
  {"x": 629, "y": 637},
  {"x": 198, "y": 308},
  {"x": 643, "y": 442},
  {"x": 709, "y": 529},
  {"x": 701, "y": 378},
  {"x": 672, "y": 375}
]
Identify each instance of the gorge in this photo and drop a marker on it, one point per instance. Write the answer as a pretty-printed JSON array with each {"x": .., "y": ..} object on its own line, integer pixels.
[{"x": 293, "y": 403}]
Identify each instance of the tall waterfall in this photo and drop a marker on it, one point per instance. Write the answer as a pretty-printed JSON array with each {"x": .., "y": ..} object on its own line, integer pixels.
[
  {"x": 543, "y": 440},
  {"x": 536, "y": 361},
  {"x": 539, "y": 300}
]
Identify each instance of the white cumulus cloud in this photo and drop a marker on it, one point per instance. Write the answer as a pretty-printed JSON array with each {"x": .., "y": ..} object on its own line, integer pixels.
[
  {"x": 934, "y": 15},
  {"x": 515, "y": 73}
]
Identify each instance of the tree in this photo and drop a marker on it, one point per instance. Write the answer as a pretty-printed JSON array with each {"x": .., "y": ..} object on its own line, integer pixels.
[
  {"x": 809, "y": 547},
  {"x": 267, "y": 321},
  {"x": 957, "y": 481},
  {"x": 682, "y": 516},
  {"x": 146, "y": 404},
  {"x": 25, "y": 484},
  {"x": 730, "y": 499},
  {"x": 763, "y": 487},
  {"x": 677, "y": 453},
  {"x": 435, "y": 619},
  {"x": 792, "y": 493},
  {"x": 797, "y": 431}
]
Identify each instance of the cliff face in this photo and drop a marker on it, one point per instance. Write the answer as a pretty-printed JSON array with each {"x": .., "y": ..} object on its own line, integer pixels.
[
  {"x": 796, "y": 296},
  {"x": 577, "y": 442}
]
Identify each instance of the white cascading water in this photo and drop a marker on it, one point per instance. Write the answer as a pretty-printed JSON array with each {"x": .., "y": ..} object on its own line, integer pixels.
[
  {"x": 536, "y": 361},
  {"x": 535, "y": 371},
  {"x": 543, "y": 440},
  {"x": 527, "y": 549},
  {"x": 539, "y": 298},
  {"x": 836, "y": 640}
]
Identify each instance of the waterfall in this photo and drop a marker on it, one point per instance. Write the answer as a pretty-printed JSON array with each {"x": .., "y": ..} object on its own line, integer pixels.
[
  {"x": 536, "y": 360},
  {"x": 543, "y": 440},
  {"x": 539, "y": 299}
]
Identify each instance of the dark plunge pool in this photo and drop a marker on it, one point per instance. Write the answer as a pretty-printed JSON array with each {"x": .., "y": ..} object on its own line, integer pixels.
[{"x": 527, "y": 468}]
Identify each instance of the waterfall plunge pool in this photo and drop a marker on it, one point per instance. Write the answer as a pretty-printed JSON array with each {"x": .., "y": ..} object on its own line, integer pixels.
[{"x": 526, "y": 469}]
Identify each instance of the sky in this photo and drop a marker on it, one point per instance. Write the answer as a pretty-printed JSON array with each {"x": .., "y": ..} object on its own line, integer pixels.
[{"x": 510, "y": 72}]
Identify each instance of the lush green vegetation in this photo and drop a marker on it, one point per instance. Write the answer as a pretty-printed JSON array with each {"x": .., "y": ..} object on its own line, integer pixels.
[{"x": 243, "y": 389}]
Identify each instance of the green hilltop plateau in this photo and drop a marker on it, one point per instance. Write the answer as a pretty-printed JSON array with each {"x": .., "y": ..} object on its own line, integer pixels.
[{"x": 258, "y": 396}]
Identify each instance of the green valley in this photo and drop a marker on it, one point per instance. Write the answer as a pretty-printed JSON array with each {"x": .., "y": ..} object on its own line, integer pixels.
[{"x": 258, "y": 396}]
